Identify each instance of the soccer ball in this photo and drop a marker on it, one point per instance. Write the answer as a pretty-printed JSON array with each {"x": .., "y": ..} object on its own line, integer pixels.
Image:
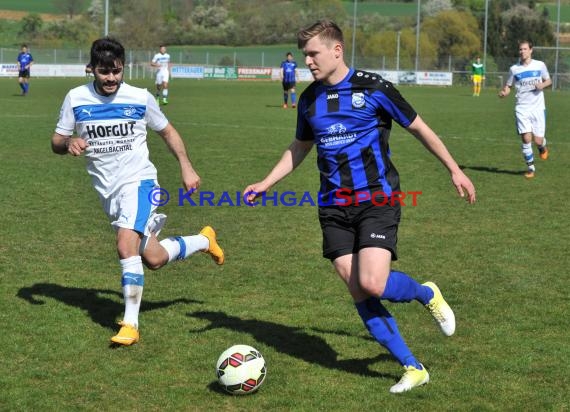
[{"x": 241, "y": 369}]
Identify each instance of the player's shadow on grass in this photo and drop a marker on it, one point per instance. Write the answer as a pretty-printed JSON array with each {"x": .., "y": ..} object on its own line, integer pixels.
[
  {"x": 102, "y": 305},
  {"x": 491, "y": 170},
  {"x": 293, "y": 342}
]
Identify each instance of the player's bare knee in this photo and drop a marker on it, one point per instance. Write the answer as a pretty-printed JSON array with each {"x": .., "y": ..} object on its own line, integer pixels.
[
  {"x": 124, "y": 250},
  {"x": 152, "y": 265},
  {"x": 153, "y": 262},
  {"x": 371, "y": 286},
  {"x": 154, "y": 256},
  {"x": 127, "y": 246}
]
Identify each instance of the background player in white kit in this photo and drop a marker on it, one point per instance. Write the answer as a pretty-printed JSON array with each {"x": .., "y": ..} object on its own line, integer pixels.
[
  {"x": 529, "y": 77},
  {"x": 111, "y": 118},
  {"x": 161, "y": 61}
]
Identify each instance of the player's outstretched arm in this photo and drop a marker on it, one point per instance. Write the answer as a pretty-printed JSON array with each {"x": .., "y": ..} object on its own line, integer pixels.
[
  {"x": 175, "y": 144},
  {"x": 292, "y": 157},
  {"x": 62, "y": 145},
  {"x": 433, "y": 143}
]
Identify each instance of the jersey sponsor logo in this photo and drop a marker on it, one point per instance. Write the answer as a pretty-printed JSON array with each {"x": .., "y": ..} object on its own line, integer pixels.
[
  {"x": 358, "y": 101},
  {"x": 528, "y": 84},
  {"x": 336, "y": 128},
  {"x": 337, "y": 135},
  {"x": 112, "y": 149},
  {"x": 111, "y": 130}
]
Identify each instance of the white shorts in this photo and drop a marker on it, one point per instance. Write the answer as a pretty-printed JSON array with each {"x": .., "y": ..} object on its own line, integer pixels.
[
  {"x": 531, "y": 121},
  {"x": 162, "y": 76},
  {"x": 131, "y": 208}
]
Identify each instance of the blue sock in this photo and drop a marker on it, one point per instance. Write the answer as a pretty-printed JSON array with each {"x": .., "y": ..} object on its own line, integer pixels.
[
  {"x": 402, "y": 288},
  {"x": 26, "y": 87},
  {"x": 293, "y": 97},
  {"x": 22, "y": 87},
  {"x": 382, "y": 326},
  {"x": 285, "y": 96}
]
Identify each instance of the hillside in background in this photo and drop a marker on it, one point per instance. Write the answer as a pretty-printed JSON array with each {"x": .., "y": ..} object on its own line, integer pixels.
[
  {"x": 17, "y": 15},
  {"x": 448, "y": 38},
  {"x": 48, "y": 10},
  {"x": 30, "y": 6}
]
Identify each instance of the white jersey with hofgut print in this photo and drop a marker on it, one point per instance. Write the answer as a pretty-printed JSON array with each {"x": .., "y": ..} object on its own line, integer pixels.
[
  {"x": 525, "y": 78},
  {"x": 115, "y": 128}
]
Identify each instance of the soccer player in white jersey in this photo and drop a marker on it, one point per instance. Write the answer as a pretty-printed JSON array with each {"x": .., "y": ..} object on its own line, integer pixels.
[
  {"x": 161, "y": 61},
  {"x": 110, "y": 119},
  {"x": 530, "y": 77}
]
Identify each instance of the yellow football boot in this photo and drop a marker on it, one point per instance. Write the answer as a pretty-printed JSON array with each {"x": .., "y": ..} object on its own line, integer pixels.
[
  {"x": 440, "y": 310},
  {"x": 411, "y": 379},
  {"x": 128, "y": 335},
  {"x": 214, "y": 249}
]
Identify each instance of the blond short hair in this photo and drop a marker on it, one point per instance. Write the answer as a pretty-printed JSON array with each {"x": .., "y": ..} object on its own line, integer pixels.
[{"x": 327, "y": 30}]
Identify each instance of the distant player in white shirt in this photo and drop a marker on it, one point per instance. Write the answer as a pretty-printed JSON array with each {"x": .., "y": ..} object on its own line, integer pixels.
[
  {"x": 529, "y": 77},
  {"x": 110, "y": 119},
  {"x": 161, "y": 61}
]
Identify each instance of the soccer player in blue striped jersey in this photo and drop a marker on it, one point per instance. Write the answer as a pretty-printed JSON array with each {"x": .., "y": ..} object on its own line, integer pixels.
[
  {"x": 348, "y": 114},
  {"x": 25, "y": 61},
  {"x": 110, "y": 119},
  {"x": 289, "y": 80}
]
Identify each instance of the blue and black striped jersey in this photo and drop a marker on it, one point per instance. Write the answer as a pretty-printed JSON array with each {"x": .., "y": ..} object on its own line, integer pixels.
[
  {"x": 288, "y": 68},
  {"x": 23, "y": 60},
  {"x": 350, "y": 125}
]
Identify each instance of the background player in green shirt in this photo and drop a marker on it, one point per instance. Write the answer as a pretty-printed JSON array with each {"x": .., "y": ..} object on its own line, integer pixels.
[{"x": 477, "y": 75}]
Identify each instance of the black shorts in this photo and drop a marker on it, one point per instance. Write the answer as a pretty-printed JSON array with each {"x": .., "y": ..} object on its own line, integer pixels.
[
  {"x": 288, "y": 85},
  {"x": 24, "y": 73},
  {"x": 347, "y": 229}
]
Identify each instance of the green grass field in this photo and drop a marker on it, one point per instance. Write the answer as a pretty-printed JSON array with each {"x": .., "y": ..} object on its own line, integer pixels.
[
  {"x": 384, "y": 8},
  {"x": 553, "y": 11},
  {"x": 502, "y": 264},
  {"x": 32, "y": 6}
]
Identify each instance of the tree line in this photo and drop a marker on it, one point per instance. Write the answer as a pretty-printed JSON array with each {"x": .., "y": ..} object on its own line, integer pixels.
[{"x": 447, "y": 27}]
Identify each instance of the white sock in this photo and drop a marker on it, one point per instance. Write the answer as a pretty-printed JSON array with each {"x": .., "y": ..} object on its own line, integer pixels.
[
  {"x": 132, "y": 282},
  {"x": 165, "y": 93},
  {"x": 528, "y": 156},
  {"x": 190, "y": 244}
]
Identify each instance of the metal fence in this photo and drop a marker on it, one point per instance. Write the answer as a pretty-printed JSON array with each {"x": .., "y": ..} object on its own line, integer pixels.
[
  {"x": 214, "y": 57},
  {"x": 558, "y": 62}
]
